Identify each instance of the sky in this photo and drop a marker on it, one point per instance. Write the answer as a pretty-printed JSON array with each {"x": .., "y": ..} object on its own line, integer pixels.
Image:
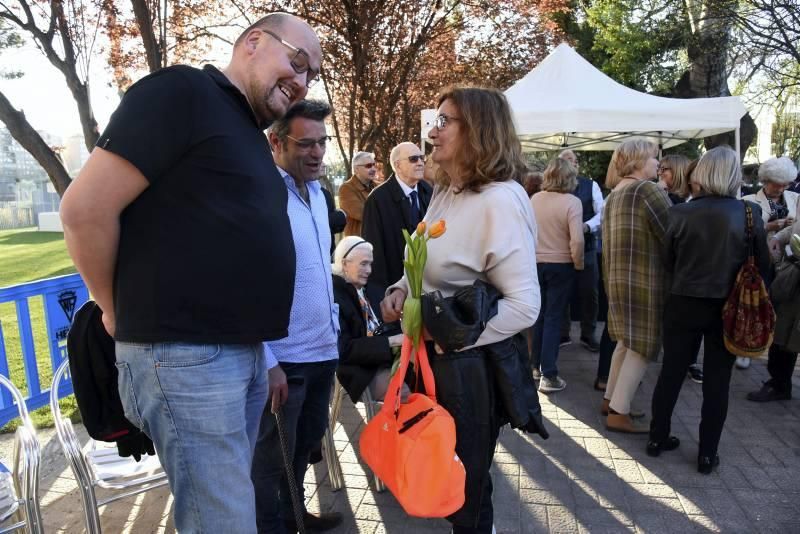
[{"x": 43, "y": 95}]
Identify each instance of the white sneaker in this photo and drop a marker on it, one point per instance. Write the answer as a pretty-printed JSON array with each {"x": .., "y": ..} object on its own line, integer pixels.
[
  {"x": 742, "y": 363},
  {"x": 551, "y": 385}
]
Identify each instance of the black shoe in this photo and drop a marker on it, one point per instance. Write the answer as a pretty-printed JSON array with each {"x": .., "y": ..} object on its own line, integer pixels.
[
  {"x": 768, "y": 393},
  {"x": 600, "y": 384},
  {"x": 565, "y": 340},
  {"x": 706, "y": 465},
  {"x": 695, "y": 373},
  {"x": 654, "y": 448},
  {"x": 315, "y": 522},
  {"x": 590, "y": 344}
]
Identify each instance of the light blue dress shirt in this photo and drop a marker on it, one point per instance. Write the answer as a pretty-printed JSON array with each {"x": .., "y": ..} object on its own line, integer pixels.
[{"x": 314, "y": 320}]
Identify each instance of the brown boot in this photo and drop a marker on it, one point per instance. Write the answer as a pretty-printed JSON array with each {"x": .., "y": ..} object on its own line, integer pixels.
[
  {"x": 634, "y": 413},
  {"x": 619, "y": 422}
]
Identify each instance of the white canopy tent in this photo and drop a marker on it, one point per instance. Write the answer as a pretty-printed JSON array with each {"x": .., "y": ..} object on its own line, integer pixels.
[{"x": 565, "y": 102}]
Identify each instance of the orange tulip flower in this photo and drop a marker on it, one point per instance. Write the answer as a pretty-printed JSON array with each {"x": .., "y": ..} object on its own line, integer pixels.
[
  {"x": 421, "y": 228},
  {"x": 437, "y": 229}
]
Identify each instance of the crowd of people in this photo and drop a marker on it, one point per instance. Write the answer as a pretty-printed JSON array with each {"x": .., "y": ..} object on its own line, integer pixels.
[{"x": 208, "y": 249}]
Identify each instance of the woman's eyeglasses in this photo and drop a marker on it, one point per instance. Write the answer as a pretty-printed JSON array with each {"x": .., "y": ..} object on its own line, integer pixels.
[{"x": 442, "y": 120}]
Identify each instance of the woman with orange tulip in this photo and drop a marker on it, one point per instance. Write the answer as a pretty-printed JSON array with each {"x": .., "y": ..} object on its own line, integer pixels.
[{"x": 490, "y": 236}]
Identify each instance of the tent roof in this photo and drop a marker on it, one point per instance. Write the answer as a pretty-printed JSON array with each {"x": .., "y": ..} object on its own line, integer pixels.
[{"x": 566, "y": 102}]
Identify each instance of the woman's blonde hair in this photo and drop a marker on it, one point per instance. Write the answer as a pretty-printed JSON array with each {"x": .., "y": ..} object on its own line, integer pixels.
[
  {"x": 490, "y": 150},
  {"x": 719, "y": 172},
  {"x": 560, "y": 176},
  {"x": 628, "y": 158},
  {"x": 679, "y": 165}
]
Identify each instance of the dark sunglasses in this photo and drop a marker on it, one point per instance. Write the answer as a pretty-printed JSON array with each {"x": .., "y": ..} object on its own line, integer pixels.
[
  {"x": 300, "y": 60},
  {"x": 416, "y": 158},
  {"x": 367, "y": 165}
]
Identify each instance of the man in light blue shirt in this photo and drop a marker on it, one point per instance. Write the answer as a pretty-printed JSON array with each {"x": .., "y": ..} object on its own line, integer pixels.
[{"x": 309, "y": 355}]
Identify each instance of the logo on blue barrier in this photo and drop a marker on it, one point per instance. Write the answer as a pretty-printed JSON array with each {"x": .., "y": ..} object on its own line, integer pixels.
[{"x": 67, "y": 299}]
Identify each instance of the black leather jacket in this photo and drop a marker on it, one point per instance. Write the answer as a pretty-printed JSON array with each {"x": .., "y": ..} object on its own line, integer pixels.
[
  {"x": 705, "y": 246},
  {"x": 484, "y": 388}
]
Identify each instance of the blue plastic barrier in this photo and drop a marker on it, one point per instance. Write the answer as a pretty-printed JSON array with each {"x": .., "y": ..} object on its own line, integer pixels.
[{"x": 63, "y": 296}]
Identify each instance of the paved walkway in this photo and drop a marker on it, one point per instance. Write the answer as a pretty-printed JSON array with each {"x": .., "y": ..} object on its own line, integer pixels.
[{"x": 583, "y": 479}]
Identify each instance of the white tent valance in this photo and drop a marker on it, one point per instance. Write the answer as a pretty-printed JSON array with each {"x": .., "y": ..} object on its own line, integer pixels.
[{"x": 565, "y": 102}]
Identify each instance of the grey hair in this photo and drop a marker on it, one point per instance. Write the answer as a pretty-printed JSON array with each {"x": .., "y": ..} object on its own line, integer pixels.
[
  {"x": 347, "y": 245},
  {"x": 777, "y": 170},
  {"x": 719, "y": 172},
  {"x": 315, "y": 110},
  {"x": 568, "y": 153},
  {"x": 358, "y": 157},
  {"x": 394, "y": 154}
]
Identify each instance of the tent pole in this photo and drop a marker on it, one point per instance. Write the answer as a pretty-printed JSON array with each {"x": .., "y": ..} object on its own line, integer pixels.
[{"x": 738, "y": 145}]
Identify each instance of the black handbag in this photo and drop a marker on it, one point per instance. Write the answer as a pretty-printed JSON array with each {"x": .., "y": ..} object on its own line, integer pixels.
[{"x": 456, "y": 322}]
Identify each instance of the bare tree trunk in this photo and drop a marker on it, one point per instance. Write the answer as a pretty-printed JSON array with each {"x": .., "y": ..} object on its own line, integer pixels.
[
  {"x": 25, "y": 135},
  {"x": 153, "y": 49}
]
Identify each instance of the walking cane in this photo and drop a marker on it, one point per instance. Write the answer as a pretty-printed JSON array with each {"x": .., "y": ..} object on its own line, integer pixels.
[{"x": 297, "y": 506}]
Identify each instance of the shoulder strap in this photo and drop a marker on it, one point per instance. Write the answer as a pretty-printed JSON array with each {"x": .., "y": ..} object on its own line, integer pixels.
[{"x": 748, "y": 231}]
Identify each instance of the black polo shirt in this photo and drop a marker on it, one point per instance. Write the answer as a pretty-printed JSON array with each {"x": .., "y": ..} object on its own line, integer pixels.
[{"x": 206, "y": 252}]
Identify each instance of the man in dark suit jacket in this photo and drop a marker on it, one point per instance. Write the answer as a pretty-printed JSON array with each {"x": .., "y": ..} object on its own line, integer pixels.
[{"x": 401, "y": 202}]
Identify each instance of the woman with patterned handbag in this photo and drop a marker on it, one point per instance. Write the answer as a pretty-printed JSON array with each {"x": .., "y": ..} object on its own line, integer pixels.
[{"x": 707, "y": 242}]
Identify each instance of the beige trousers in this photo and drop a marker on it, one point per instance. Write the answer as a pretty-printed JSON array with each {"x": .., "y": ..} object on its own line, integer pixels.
[{"x": 627, "y": 369}]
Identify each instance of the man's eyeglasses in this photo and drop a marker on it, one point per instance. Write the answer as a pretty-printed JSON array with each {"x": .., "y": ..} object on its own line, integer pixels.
[
  {"x": 417, "y": 157},
  {"x": 366, "y": 165},
  {"x": 300, "y": 61},
  {"x": 442, "y": 120},
  {"x": 308, "y": 144}
]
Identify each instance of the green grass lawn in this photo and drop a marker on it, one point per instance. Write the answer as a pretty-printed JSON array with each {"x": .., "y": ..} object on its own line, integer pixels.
[{"x": 27, "y": 255}]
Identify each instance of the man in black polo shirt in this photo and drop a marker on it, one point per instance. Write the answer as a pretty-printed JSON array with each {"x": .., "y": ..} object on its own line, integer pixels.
[{"x": 178, "y": 225}]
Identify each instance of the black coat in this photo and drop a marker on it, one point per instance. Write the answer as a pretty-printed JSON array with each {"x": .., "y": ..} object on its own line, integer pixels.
[
  {"x": 360, "y": 356},
  {"x": 386, "y": 213}
]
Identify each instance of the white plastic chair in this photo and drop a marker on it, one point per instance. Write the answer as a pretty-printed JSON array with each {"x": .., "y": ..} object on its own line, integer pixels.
[
  {"x": 336, "y": 408},
  {"x": 100, "y": 465},
  {"x": 19, "y": 489}
]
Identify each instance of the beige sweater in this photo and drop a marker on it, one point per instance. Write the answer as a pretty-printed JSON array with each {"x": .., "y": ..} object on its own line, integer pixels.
[
  {"x": 559, "y": 220},
  {"x": 490, "y": 235}
]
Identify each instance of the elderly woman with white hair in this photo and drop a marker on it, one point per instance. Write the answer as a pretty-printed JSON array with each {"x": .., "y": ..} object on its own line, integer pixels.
[
  {"x": 778, "y": 205},
  {"x": 365, "y": 351}
]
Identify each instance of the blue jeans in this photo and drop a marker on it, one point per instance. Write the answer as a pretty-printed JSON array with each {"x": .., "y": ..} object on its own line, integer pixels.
[
  {"x": 555, "y": 281},
  {"x": 201, "y": 406},
  {"x": 305, "y": 419}
]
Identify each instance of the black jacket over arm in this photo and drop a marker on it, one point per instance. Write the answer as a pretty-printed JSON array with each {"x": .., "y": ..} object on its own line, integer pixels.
[
  {"x": 360, "y": 356},
  {"x": 386, "y": 213}
]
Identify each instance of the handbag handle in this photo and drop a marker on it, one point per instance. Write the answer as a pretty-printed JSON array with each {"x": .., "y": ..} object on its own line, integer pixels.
[{"x": 392, "y": 399}]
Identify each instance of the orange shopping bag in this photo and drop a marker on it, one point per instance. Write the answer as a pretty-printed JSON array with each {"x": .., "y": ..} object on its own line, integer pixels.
[{"x": 412, "y": 446}]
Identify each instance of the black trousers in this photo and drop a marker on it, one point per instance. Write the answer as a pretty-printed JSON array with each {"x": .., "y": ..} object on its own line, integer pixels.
[
  {"x": 687, "y": 320},
  {"x": 585, "y": 294},
  {"x": 781, "y": 366}
]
